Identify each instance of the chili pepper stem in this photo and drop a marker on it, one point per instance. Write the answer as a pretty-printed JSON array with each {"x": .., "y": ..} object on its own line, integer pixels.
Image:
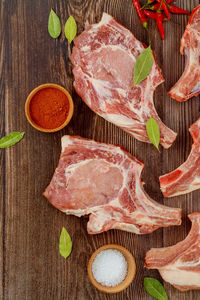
[
  {"x": 144, "y": 6},
  {"x": 161, "y": 3},
  {"x": 149, "y": 38},
  {"x": 147, "y": 4}
]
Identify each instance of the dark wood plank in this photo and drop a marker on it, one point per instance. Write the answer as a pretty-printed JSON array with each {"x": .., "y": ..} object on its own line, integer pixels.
[
  {"x": 30, "y": 264},
  {"x": 2, "y": 152}
]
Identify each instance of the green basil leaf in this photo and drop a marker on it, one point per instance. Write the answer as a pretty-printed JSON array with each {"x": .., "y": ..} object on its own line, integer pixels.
[
  {"x": 11, "y": 139},
  {"x": 70, "y": 29},
  {"x": 54, "y": 26},
  {"x": 153, "y": 132},
  {"x": 154, "y": 288},
  {"x": 65, "y": 243},
  {"x": 143, "y": 66}
]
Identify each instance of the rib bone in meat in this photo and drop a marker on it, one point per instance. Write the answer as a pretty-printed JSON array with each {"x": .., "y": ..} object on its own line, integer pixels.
[
  {"x": 104, "y": 56},
  {"x": 179, "y": 264},
  {"x": 189, "y": 83},
  {"x": 186, "y": 178},
  {"x": 104, "y": 182}
]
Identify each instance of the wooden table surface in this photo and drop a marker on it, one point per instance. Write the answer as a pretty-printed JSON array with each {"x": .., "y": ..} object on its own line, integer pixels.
[{"x": 30, "y": 264}]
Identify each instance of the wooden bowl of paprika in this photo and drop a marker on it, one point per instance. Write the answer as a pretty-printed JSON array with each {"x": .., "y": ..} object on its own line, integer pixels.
[{"x": 49, "y": 107}]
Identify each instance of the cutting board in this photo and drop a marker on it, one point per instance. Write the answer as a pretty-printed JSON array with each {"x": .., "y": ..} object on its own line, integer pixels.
[{"x": 30, "y": 264}]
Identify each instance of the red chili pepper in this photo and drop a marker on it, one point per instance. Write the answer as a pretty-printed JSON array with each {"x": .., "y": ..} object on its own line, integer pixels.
[
  {"x": 177, "y": 10},
  {"x": 164, "y": 7},
  {"x": 159, "y": 22},
  {"x": 153, "y": 15},
  {"x": 150, "y": 14},
  {"x": 169, "y": 1},
  {"x": 172, "y": 8},
  {"x": 143, "y": 18}
]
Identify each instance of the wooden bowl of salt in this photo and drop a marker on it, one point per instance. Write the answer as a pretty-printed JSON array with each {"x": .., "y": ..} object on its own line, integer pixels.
[{"x": 111, "y": 268}]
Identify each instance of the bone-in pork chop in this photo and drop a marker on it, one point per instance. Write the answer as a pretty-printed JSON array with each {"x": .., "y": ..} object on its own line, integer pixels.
[
  {"x": 189, "y": 83},
  {"x": 179, "y": 264},
  {"x": 104, "y": 56},
  {"x": 186, "y": 178},
  {"x": 104, "y": 182}
]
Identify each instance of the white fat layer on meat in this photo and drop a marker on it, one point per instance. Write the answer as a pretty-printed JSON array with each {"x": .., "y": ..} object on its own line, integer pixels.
[
  {"x": 106, "y": 18},
  {"x": 181, "y": 277},
  {"x": 86, "y": 48},
  {"x": 120, "y": 120},
  {"x": 126, "y": 124},
  {"x": 71, "y": 168},
  {"x": 80, "y": 212},
  {"x": 127, "y": 227},
  {"x": 101, "y": 90},
  {"x": 65, "y": 141},
  {"x": 104, "y": 90}
]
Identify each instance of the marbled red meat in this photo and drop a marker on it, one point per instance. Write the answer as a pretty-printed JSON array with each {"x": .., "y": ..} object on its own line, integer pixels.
[
  {"x": 179, "y": 264},
  {"x": 104, "y": 56},
  {"x": 186, "y": 178},
  {"x": 104, "y": 182},
  {"x": 189, "y": 83}
]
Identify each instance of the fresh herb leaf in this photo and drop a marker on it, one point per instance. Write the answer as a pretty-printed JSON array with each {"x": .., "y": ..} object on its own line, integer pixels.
[
  {"x": 11, "y": 139},
  {"x": 70, "y": 29},
  {"x": 54, "y": 26},
  {"x": 143, "y": 66},
  {"x": 154, "y": 288},
  {"x": 153, "y": 132},
  {"x": 65, "y": 243}
]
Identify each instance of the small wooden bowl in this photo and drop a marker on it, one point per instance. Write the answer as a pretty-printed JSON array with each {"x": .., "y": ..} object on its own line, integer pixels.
[
  {"x": 44, "y": 86},
  {"x": 130, "y": 272}
]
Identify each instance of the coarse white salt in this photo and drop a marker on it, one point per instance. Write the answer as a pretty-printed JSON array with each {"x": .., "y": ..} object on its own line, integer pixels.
[{"x": 109, "y": 267}]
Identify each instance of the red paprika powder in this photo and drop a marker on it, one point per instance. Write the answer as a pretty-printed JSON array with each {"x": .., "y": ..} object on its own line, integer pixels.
[{"x": 49, "y": 108}]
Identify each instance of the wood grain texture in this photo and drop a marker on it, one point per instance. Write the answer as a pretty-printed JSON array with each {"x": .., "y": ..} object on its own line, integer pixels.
[
  {"x": 30, "y": 264},
  {"x": 2, "y": 153}
]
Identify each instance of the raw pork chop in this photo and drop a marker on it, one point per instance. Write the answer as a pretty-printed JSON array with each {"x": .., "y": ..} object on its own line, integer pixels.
[
  {"x": 186, "y": 178},
  {"x": 104, "y": 56},
  {"x": 189, "y": 83},
  {"x": 179, "y": 264},
  {"x": 104, "y": 181}
]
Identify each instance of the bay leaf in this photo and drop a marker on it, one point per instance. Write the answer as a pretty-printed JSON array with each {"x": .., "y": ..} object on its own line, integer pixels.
[
  {"x": 153, "y": 132},
  {"x": 65, "y": 243},
  {"x": 70, "y": 29},
  {"x": 11, "y": 139},
  {"x": 143, "y": 66},
  {"x": 54, "y": 26},
  {"x": 155, "y": 289}
]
